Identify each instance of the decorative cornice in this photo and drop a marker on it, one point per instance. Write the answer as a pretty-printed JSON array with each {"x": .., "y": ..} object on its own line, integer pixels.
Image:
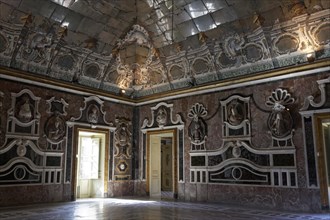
[{"x": 288, "y": 72}]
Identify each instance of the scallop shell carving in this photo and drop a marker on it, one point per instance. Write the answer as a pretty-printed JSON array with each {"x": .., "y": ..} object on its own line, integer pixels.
[
  {"x": 197, "y": 110},
  {"x": 279, "y": 96}
]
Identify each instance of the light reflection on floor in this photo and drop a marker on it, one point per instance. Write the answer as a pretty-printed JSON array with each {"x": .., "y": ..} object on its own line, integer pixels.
[{"x": 131, "y": 209}]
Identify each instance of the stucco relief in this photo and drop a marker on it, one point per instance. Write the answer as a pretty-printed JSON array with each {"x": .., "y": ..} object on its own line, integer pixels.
[
  {"x": 309, "y": 100},
  {"x": 24, "y": 116},
  {"x": 197, "y": 129},
  {"x": 92, "y": 112},
  {"x": 122, "y": 156},
  {"x": 236, "y": 116},
  {"x": 55, "y": 128},
  {"x": 1, "y": 117},
  {"x": 237, "y": 160},
  {"x": 280, "y": 121},
  {"x": 162, "y": 116},
  {"x": 39, "y": 47},
  {"x": 136, "y": 74},
  {"x": 286, "y": 43},
  {"x": 123, "y": 138},
  {"x": 24, "y": 109},
  {"x": 3, "y": 44},
  {"x": 55, "y": 105},
  {"x": 320, "y": 34},
  {"x": 235, "y": 112},
  {"x": 23, "y": 161},
  {"x": 253, "y": 52}
]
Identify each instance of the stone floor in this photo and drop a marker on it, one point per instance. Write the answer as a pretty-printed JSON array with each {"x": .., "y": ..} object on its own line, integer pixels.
[{"x": 128, "y": 209}]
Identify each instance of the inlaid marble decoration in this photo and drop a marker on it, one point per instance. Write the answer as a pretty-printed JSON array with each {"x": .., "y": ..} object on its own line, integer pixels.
[
  {"x": 280, "y": 122},
  {"x": 122, "y": 156},
  {"x": 197, "y": 129},
  {"x": 123, "y": 138},
  {"x": 92, "y": 115},
  {"x": 238, "y": 161},
  {"x": 92, "y": 112},
  {"x": 324, "y": 87},
  {"x": 309, "y": 109},
  {"x": 22, "y": 160},
  {"x": 55, "y": 127},
  {"x": 1, "y": 108},
  {"x": 162, "y": 118},
  {"x": 24, "y": 116}
]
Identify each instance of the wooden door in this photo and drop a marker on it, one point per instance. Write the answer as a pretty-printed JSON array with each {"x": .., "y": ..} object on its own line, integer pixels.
[{"x": 155, "y": 167}]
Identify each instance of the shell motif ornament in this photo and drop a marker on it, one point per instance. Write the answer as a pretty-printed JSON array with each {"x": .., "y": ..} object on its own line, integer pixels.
[{"x": 280, "y": 122}]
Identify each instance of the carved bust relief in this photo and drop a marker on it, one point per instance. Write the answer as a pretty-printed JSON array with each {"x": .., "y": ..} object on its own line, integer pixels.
[
  {"x": 93, "y": 114},
  {"x": 235, "y": 112},
  {"x": 161, "y": 117},
  {"x": 197, "y": 129},
  {"x": 24, "y": 111},
  {"x": 55, "y": 127}
]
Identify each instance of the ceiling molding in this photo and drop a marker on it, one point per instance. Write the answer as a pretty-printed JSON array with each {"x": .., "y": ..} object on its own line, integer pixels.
[{"x": 289, "y": 72}]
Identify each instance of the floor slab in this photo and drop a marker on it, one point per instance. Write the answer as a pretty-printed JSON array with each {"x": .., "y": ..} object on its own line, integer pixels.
[{"x": 131, "y": 209}]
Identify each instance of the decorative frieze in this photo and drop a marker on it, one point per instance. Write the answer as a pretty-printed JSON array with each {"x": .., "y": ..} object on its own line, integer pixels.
[{"x": 38, "y": 46}]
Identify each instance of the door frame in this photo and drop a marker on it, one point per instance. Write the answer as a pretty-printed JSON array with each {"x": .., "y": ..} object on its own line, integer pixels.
[
  {"x": 174, "y": 159},
  {"x": 106, "y": 132},
  {"x": 321, "y": 154}
]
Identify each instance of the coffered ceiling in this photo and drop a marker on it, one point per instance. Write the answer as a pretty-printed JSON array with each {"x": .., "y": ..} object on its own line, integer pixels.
[{"x": 142, "y": 48}]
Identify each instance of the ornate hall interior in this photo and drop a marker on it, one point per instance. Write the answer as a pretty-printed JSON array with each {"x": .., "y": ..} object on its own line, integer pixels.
[{"x": 190, "y": 101}]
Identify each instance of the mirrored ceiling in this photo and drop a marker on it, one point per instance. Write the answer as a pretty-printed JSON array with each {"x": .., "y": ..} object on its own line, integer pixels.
[{"x": 149, "y": 47}]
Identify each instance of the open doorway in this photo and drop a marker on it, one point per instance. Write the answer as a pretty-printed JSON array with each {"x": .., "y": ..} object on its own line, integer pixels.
[
  {"x": 166, "y": 167},
  {"x": 90, "y": 165},
  {"x": 162, "y": 163},
  {"x": 323, "y": 149},
  {"x": 326, "y": 149}
]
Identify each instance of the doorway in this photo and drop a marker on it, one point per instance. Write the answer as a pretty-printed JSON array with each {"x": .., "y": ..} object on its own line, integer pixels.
[
  {"x": 323, "y": 149},
  {"x": 162, "y": 165},
  {"x": 326, "y": 144},
  {"x": 91, "y": 165}
]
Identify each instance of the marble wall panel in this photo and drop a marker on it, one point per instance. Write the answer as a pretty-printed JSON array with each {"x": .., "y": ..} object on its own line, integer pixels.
[
  {"x": 121, "y": 188},
  {"x": 13, "y": 195},
  {"x": 300, "y": 198},
  {"x": 27, "y": 194}
]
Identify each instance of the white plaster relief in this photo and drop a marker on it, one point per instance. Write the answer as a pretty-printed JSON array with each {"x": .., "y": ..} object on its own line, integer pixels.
[
  {"x": 237, "y": 161},
  {"x": 61, "y": 101},
  {"x": 92, "y": 114},
  {"x": 197, "y": 129},
  {"x": 24, "y": 113},
  {"x": 146, "y": 123},
  {"x": 310, "y": 99}
]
